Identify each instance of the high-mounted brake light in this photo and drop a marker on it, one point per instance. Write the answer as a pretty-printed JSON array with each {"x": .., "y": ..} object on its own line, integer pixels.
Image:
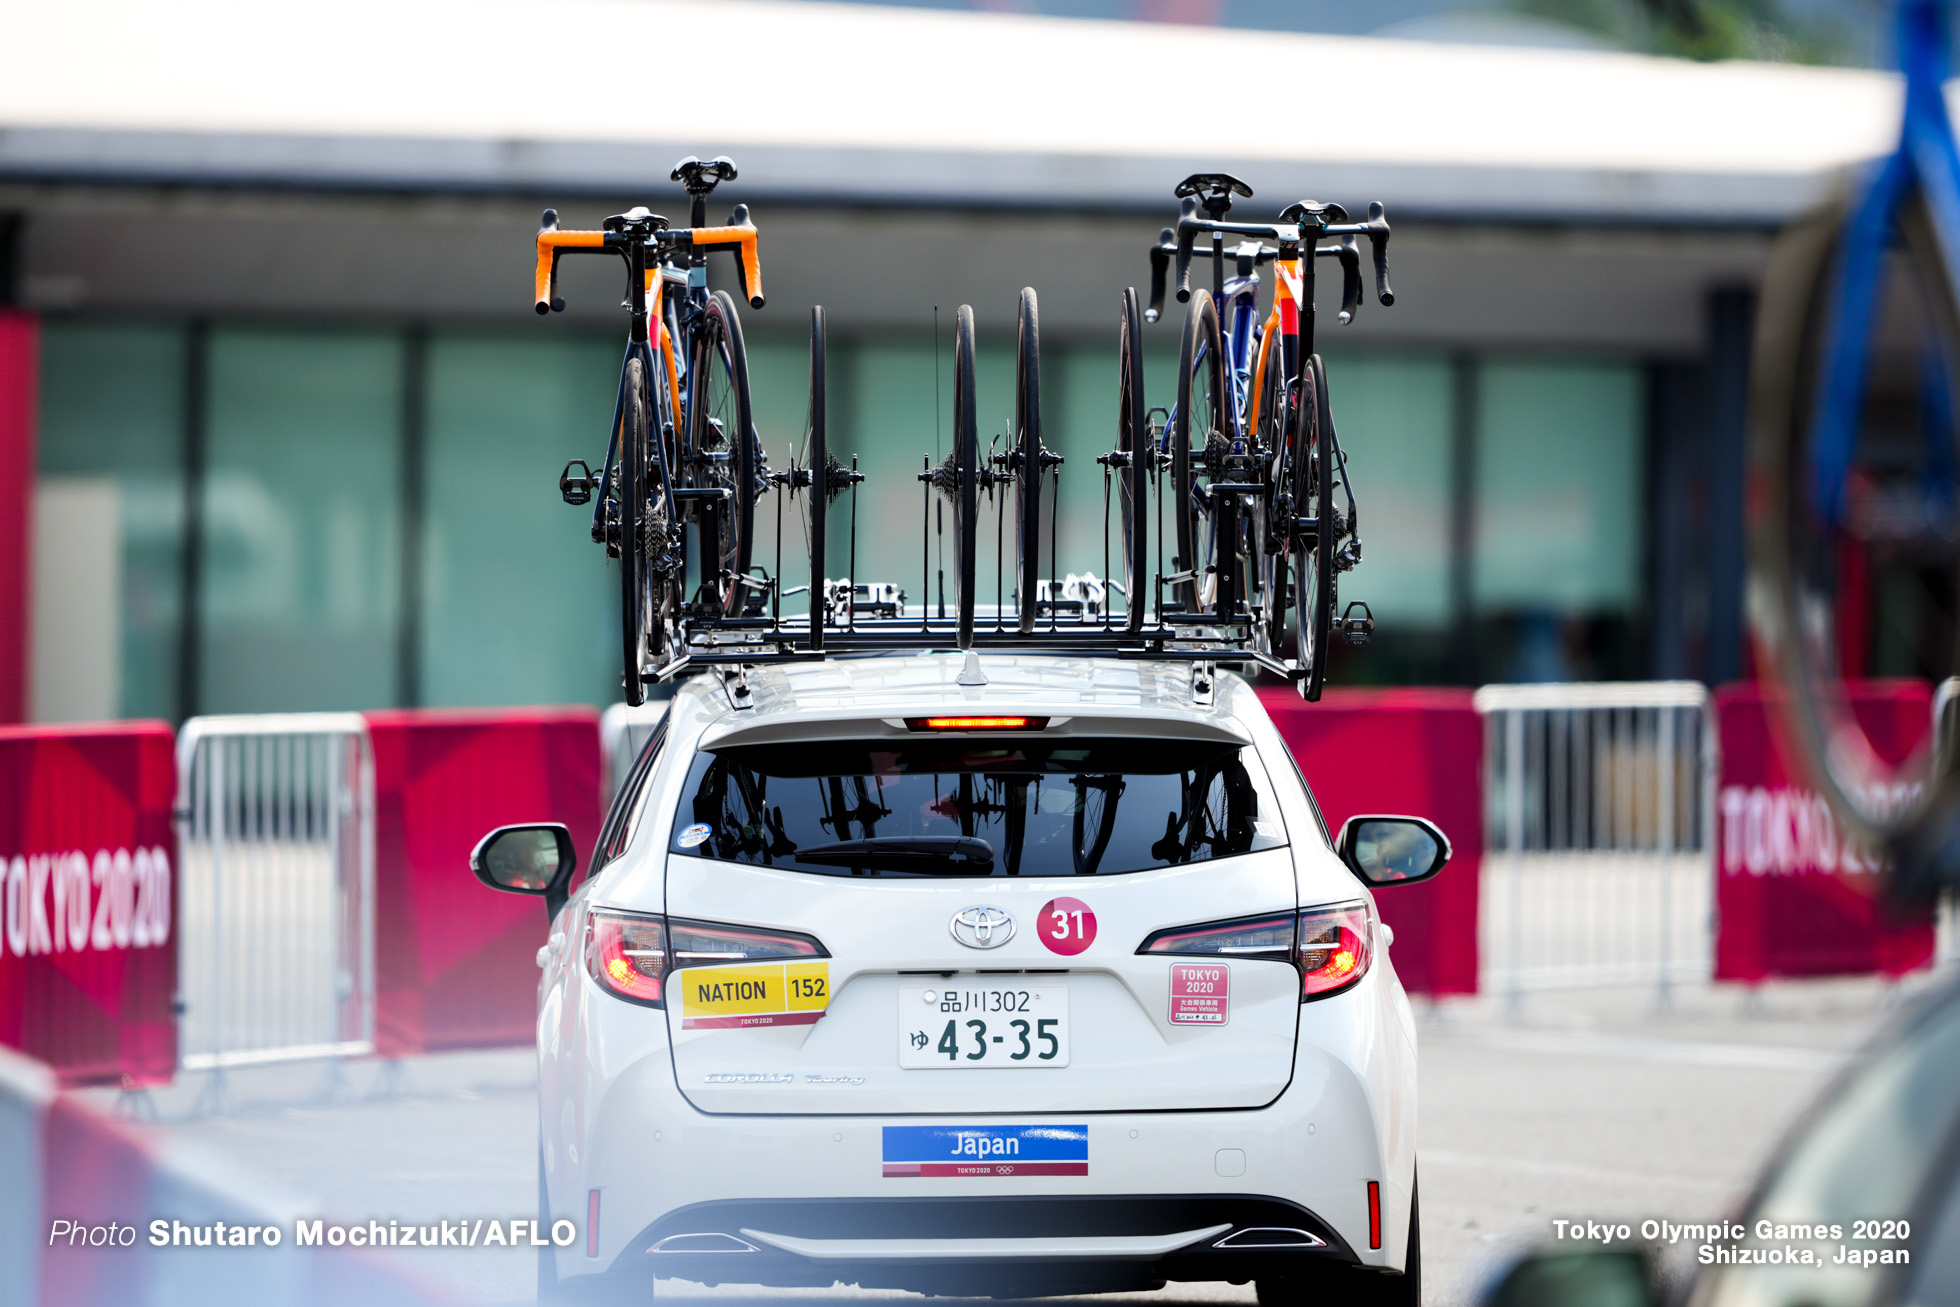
[
  {"x": 976, "y": 723},
  {"x": 631, "y": 955}
]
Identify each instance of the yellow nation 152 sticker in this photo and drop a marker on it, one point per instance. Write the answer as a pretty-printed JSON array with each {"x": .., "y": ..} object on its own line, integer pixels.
[{"x": 780, "y": 994}]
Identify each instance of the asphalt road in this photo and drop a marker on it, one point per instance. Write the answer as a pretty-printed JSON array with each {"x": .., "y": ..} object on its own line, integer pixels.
[{"x": 1589, "y": 1105}]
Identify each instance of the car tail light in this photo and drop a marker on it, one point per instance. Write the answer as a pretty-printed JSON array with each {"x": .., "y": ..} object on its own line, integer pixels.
[
  {"x": 707, "y": 944},
  {"x": 1331, "y": 946},
  {"x": 628, "y": 955},
  {"x": 631, "y": 955},
  {"x": 976, "y": 723},
  {"x": 1334, "y": 949},
  {"x": 1269, "y": 937}
]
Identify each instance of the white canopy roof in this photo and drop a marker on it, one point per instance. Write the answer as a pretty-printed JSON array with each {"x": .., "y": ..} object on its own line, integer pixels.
[{"x": 842, "y": 102}]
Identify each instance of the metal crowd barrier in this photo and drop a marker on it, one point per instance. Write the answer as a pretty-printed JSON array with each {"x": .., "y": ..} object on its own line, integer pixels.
[
  {"x": 275, "y": 838},
  {"x": 1599, "y": 853}
]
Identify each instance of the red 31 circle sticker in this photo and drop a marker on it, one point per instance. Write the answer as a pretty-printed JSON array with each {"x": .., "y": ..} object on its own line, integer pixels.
[{"x": 1066, "y": 926}]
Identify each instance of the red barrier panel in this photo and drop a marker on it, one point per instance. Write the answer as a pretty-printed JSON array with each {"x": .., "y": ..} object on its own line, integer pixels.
[
  {"x": 88, "y": 946},
  {"x": 20, "y": 375},
  {"x": 1418, "y": 752},
  {"x": 455, "y": 964},
  {"x": 1793, "y": 897}
]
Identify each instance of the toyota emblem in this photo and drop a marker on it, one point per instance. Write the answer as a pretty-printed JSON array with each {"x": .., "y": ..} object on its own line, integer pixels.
[{"x": 983, "y": 926}]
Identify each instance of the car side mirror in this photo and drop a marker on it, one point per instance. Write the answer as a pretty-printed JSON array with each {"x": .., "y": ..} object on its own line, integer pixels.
[
  {"x": 536, "y": 859},
  {"x": 1586, "y": 1277},
  {"x": 1393, "y": 850}
]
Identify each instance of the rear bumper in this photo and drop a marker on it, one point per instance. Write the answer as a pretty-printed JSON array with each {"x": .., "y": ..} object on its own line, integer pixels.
[
  {"x": 656, "y": 1166},
  {"x": 985, "y": 1244},
  {"x": 662, "y": 1169}
]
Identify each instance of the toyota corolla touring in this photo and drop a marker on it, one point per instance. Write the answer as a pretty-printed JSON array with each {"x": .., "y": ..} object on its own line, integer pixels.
[{"x": 1008, "y": 975}]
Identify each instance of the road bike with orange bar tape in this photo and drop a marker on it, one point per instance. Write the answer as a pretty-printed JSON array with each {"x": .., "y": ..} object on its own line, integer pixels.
[{"x": 675, "y": 499}]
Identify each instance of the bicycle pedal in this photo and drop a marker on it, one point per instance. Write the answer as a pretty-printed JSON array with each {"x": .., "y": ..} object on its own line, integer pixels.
[
  {"x": 1357, "y": 631},
  {"x": 576, "y": 490}
]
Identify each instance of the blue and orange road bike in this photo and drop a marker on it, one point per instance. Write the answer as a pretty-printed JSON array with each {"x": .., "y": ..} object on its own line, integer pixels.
[
  {"x": 1263, "y": 509},
  {"x": 1839, "y": 482},
  {"x": 675, "y": 499}
]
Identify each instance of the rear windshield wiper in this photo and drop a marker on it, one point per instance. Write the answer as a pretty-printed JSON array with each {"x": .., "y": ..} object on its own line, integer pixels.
[{"x": 950, "y": 855}]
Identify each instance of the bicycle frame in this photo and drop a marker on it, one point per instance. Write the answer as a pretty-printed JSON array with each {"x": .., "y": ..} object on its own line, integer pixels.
[
  {"x": 1926, "y": 161},
  {"x": 651, "y": 340}
]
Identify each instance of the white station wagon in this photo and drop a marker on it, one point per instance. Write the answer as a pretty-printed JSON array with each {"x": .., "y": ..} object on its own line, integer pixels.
[{"x": 1003, "y": 975}]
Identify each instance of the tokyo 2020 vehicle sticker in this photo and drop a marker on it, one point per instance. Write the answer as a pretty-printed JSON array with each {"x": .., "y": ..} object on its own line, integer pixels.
[
  {"x": 693, "y": 835},
  {"x": 986, "y": 1150},
  {"x": 1065, "y": 926},
  {"x": 785, "y": 994},
  {"x": 1201, "y": 994}
]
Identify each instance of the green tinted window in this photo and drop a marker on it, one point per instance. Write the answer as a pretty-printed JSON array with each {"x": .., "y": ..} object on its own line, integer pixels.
[
  {"x": 112, "y": 409},
  {"x": 1393, "y": 416},
  {"x": 1558, "y": 486},
  {"x": 518, "y": 604},
  {"x": 301, "y": 560}
]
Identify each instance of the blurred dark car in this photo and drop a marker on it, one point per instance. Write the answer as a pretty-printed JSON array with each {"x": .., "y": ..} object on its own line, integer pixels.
[{"x": 1875, "y": 1164}]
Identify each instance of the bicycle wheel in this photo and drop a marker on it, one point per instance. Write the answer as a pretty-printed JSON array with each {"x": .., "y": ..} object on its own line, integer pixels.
[
  {"x": 816, "y": 456},
  {"x": 1270, "y": 533},
  {"x": 1094, "y": 820},
  {"x": 665, "y": 549},
  {"x": 1808, "y": 562},
  {"x": 1133, "y": 442},
  {"x": 1313, "y": 553},
  {"x": 720, "y": 452},
  {"x": 630, "y": 490},
  {"x": 1027, "y": 445},
  {"x": 1199, "y": 427},
  {"x": 964, "y": 476}
]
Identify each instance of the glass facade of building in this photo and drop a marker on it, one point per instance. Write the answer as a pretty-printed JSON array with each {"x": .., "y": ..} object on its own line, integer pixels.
[{"x": 375, "y": 518}]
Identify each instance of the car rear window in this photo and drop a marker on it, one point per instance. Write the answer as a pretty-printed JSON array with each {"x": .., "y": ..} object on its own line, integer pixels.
[{"x": 974, "y": 806}]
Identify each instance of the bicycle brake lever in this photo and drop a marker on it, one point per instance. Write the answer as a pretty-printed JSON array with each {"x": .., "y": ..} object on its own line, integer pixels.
[
  {"x": 1187, "y": 234},
  {"x": 1379, "y": 240},
  {"x": 1350, "y": 258},
  {"x": 1376, "y": 229},
  {"x": 1160, "y": 258}
]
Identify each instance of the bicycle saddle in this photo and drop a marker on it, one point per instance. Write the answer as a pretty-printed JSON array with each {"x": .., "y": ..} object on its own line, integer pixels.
[
  {"x": 701, "y": 176},
  {"x": 1304, "y": 208},
  {"x": 636, "y": 220},
  {"x": 1214, "y": 191}
]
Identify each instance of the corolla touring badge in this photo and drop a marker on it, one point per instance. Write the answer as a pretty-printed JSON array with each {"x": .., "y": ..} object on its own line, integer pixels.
[{"x": 983, "y": 926}]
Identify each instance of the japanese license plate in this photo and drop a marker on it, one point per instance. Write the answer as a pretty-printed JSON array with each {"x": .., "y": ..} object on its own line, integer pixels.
[{"x": 982, "y": 1025}]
